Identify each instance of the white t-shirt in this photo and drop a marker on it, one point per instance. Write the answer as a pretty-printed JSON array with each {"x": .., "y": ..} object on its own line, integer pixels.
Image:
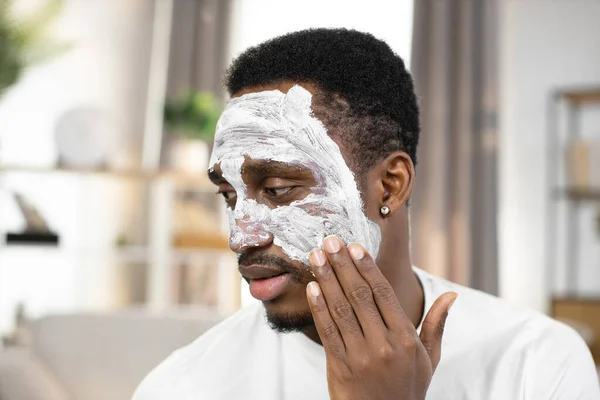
[{"x": 490, "y": 350}]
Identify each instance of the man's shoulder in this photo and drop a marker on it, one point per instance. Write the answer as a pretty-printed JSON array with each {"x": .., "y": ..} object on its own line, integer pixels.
[
  {"x": 478, "y": 312},
  {"x": 522, "y": 346},
  {"x": 194, "y": 362},
  {"x": 480, "y": 319}
]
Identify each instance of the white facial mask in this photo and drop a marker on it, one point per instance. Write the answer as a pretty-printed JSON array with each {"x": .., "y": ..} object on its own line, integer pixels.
[{"x": 274, "y": 126}]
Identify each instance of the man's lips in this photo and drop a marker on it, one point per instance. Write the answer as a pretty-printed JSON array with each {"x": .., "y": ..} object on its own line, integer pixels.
[
  {"x": 266, "y": 283},
  {"x": 259, "y": 271}
]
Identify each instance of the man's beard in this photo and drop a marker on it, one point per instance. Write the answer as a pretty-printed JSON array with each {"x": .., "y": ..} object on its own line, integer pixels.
[{"x": 287, "y": 323}]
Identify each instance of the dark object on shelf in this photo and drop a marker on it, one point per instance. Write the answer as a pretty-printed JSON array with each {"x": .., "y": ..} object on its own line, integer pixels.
[
  {"x": 34, "y": 220},
  {"x": 49, "y": 239},
  {"x": 36, "y": 229}
]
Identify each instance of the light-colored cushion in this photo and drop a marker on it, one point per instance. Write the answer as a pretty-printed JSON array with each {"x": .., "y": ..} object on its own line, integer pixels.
[
  {"x": 23, "y": 376},
  {"x": 105, "y": 356}
]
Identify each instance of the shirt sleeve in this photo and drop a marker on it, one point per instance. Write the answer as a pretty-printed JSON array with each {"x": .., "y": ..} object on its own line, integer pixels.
[{"x": 561, "y": 367}]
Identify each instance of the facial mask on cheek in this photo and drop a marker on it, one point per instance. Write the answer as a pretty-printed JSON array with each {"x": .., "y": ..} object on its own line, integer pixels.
[
  {"x": 280, "y": 127},
  {"x": 254, "y": 226}
]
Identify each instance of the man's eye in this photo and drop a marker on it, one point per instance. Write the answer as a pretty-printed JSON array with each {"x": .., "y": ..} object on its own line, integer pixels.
[{"x": 276, "y": 192}]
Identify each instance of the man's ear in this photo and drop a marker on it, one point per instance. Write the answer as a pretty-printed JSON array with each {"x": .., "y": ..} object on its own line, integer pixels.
[{"x": 395, "y": 176}]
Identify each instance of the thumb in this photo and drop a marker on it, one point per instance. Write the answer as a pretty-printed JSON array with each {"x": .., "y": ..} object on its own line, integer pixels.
[{"x": 433, "y": 326}]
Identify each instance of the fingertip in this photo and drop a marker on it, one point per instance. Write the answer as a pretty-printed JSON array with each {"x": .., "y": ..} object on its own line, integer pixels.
[
  {"x": 441, "y": 306},
  {"x": 452, "y": 296},
  {"x": 313, "y": 288},
  {"x": 357, "y": 252},
  {"x": 332, "y": 244},
  {"x": 317, "y": 257},
  {"x": 314, "y": 291}
]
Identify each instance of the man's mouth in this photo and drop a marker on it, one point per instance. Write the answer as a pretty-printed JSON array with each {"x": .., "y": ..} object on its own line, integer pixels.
[{"x": 266, "y": 283}]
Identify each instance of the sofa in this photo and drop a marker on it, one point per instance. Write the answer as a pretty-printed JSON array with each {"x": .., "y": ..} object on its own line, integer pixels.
[{"x": 95, "y": 356}]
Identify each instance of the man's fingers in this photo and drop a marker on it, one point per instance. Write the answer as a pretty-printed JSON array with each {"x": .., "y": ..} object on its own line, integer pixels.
[
  {"x": 328, "y": 331},
  {"x": 340, "y": 309},
  {"x": 355, "y": 287},
  {"x": 389, "y": 307},
  {"x": 433, "y": 326}
]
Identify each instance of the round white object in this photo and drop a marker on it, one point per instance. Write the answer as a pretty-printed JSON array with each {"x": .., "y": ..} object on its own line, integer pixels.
[
  {"x": 85, "y": 138},
  {"x": 189, "y": 155}
]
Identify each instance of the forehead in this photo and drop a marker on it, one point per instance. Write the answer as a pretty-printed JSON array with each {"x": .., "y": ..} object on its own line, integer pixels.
[
  {"x": 278, "y": 127},
  {"x": 271, "y": 125},
  {"x": 318, "y": 112}
]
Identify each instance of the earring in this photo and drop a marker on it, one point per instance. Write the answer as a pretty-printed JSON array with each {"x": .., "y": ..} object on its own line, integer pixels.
[{"x": 384, "y": 210}]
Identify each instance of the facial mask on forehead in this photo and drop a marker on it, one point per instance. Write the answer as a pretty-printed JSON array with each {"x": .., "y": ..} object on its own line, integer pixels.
[{"x": 280, "y": 127}]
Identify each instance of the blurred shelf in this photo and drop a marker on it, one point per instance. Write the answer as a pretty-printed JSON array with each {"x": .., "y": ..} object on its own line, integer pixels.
[
  {"x": 200, "y": 241},
  {"x": 126, "y": 254},
  {"x": 578, "y": 194},
  {"x": 577, "y": 297},
  {"x": 183, "y": 248},
  {"x": 582, "y": 96},
  {"x": 197, "y": 179}
]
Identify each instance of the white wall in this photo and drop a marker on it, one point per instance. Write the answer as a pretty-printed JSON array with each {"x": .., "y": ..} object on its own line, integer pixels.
[
  {"x": 544, "y": 45},
  {"x": 255, "y": 21},
  {"x": 107, "y": 68}
]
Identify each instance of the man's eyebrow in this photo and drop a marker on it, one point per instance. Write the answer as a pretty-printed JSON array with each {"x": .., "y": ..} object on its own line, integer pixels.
[{"x": 273, "y": 167}]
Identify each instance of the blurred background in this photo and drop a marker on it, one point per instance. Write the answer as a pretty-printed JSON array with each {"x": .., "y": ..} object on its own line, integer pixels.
[{"x": 113, "y": 245}]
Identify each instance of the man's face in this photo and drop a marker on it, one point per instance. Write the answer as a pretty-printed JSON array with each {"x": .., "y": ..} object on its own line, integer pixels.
[{"x": 287, "y": 187}]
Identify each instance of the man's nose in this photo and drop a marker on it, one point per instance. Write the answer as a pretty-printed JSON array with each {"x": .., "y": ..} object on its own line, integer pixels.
[{"x": 248, "y": 234}]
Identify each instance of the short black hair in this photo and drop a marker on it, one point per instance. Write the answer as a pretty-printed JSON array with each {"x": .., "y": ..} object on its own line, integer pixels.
[{"x": 366, "y": 95}]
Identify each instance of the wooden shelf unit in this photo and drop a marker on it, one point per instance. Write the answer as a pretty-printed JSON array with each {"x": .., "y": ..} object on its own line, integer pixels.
[
  {"x": 199, "y": 180},
  {"x": 571, "y": 100},
  {"x": 164, "y": 247}
]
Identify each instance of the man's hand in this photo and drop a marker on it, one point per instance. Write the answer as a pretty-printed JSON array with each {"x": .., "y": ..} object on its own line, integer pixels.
[{"x": 372, "y": 348}]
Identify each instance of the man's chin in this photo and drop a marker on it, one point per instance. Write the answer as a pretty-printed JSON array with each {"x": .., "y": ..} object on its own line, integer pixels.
[{"x": 290, "y": 322}]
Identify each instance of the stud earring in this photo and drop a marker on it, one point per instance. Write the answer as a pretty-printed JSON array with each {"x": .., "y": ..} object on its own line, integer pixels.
[{"x": 384, "y": 210}]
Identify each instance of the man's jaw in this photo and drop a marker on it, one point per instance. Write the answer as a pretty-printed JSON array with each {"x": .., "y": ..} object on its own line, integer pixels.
[
  {"x": 290, "y": 322},
  {"x": 279, "y": 284}
]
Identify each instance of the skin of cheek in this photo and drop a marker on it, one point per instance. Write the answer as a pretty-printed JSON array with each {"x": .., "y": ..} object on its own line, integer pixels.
[
  {"x": 302, "y": 226},
  {"x": 296, "y": 229}
]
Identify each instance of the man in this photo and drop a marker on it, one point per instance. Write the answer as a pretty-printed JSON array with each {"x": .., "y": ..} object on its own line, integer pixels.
[{"x": 315, "y": 157}]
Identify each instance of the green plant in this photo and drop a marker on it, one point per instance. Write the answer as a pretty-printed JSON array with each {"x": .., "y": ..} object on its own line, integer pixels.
[
  {"x": 193, "y": 115},
  {"x": 24, "y": 41}
]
